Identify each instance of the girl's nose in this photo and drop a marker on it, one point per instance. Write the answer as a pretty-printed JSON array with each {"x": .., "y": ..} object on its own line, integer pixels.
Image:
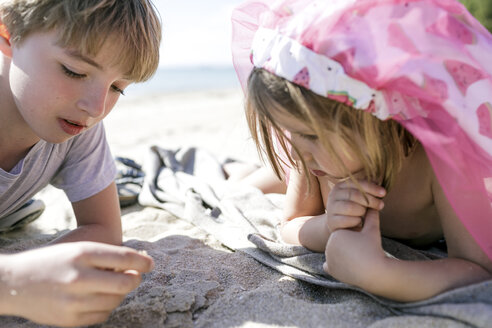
[
  {"x": 304, "y": 152},
  {"x": 293, "y": 154},
  {"x": 93, "y": 102}
]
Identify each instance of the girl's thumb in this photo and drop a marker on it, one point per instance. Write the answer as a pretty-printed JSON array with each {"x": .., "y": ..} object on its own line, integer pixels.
[{"x": 371, "y": 221}]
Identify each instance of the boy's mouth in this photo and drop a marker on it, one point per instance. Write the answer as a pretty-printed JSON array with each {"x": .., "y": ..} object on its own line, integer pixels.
[
  {"x": 71, "y": 127},
  {"x": 74, "y": 123}
]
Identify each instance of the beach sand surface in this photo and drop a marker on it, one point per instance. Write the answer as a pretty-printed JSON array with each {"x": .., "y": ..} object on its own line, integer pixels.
[{"x": 197, "y": 282}]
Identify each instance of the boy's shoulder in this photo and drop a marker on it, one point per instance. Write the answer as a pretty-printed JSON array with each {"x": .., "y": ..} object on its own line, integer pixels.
[
  {"x": 78, "y": 166},
  {"x": 90, "y": 138},
  {"x": 85, "y": 143}
]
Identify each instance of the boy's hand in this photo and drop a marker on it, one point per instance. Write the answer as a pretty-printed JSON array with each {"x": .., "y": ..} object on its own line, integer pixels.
[
  {"x": 71, "y": 284},
  {"x": 346, "y": 205},
  {"x": 356, "y": 257}
]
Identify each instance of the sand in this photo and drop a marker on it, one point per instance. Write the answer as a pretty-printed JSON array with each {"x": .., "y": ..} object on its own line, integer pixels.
[{"x": 197, "y": 282}]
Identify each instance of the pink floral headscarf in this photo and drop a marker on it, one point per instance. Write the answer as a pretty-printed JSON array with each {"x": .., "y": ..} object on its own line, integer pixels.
[{"x": 425, "y": 63}]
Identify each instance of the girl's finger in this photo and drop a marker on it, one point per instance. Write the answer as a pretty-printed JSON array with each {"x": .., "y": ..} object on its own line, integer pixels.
[
  {"x": 348, "y": 208},
  {"x": 366, "y": 186},
  {"x": 354, "y": 195},
  {"x": 371, "y": 222},
  {"x": 343, "y": 222}
]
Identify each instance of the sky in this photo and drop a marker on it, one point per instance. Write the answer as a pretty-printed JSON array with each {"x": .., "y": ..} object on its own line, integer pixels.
[{"x": 196, "y": 32}]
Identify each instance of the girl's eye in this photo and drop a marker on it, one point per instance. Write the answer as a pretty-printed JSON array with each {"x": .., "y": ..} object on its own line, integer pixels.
[
  {"x": 338, "y": 179},
  {"x": 116, "y": 89},
  {"x": 71, "y": 73},
  {"x": 311, "y": 137}
]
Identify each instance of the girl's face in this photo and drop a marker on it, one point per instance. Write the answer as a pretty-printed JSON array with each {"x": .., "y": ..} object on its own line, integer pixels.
[{"x": 318, "y": 160}]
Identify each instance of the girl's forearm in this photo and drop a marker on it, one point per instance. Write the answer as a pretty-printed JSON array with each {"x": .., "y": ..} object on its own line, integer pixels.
[
  {"x": 409, "y": 281},
  {"x": 308, "y": 231}
]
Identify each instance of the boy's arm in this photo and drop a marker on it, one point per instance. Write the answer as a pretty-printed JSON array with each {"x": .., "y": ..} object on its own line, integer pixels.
[
  {"x": 350, "y": 253},
  {"x": 98, "y": 218},
  {"x": 71, "y": 284}
]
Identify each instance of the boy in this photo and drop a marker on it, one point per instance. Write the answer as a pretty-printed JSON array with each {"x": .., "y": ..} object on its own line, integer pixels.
[{"x": 63, "y": 65}]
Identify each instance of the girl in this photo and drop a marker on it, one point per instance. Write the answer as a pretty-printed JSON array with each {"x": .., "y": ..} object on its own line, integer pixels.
[{"x": 383, "y": 108}]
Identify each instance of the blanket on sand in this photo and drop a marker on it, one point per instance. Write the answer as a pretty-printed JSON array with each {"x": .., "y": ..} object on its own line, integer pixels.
[
  {"x": 190, "y": 183},
  {"x": 197, "y": 282}
]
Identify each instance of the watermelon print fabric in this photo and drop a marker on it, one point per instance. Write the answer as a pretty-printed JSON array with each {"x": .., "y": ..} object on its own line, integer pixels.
[{"x": 424, "y": 63}]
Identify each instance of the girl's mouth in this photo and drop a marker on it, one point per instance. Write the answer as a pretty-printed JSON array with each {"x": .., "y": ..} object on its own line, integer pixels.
[{"x": 318, "y": 173}]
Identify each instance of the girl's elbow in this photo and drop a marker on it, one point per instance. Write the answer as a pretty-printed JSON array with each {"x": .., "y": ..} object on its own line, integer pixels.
[{"x": 288, "y": 233}]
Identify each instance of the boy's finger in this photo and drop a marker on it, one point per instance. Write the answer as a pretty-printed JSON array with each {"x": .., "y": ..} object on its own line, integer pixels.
[
  {"x": 90, "y": 318},
  {"x": 99, "y": 302},
  {"x": 108, "y": 282},
  {"x": 119, "y": 259}
]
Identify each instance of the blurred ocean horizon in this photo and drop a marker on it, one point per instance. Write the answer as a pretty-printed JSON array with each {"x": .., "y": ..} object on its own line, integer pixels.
[{"x": 185, "y": 79}]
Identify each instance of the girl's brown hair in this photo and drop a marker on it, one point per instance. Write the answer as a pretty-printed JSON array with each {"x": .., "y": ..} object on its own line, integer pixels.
[
  {"x": 87, "y": 24},
  {"x": 379, "y": 145}
]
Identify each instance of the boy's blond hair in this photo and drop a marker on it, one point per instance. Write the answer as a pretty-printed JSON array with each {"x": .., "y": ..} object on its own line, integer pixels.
[
  {"x": 87, "y": 24},
  {"x": 379, "y": 145}
]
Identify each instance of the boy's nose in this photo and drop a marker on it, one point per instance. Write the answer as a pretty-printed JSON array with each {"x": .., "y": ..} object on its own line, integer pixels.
[{"x": 93, "y": 102}]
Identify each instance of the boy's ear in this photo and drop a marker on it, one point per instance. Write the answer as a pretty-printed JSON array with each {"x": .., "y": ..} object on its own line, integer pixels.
[{"x": 5, "y": 46}]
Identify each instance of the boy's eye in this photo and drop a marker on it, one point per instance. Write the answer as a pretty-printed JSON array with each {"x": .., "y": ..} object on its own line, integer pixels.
[
  {"x": 74, "y": 75},
  {"x": 71, "y": 73}
]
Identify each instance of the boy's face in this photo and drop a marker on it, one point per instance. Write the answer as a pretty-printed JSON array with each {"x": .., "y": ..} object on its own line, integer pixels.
[
  {"x": 317, "y": 159},
  {"x": 58, "y": 91}
]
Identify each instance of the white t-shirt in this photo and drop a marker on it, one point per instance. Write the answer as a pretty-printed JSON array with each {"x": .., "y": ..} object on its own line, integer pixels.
[{"x": 81, "y": 166}]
